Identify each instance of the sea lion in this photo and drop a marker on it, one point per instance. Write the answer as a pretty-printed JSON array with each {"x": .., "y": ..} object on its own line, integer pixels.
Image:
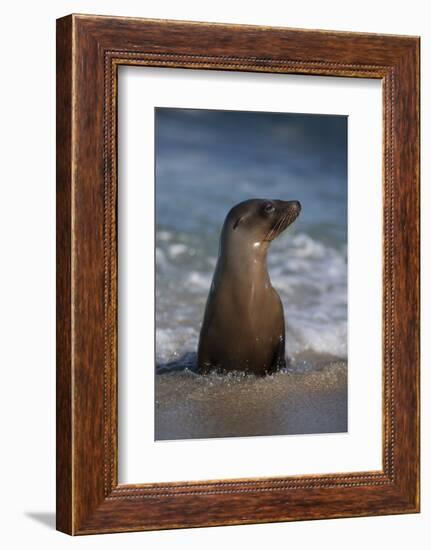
[{"x": 243, "y": 326}]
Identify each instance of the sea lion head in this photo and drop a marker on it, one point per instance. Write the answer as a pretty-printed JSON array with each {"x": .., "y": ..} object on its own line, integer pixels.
[{"x": 259, "y": 221}]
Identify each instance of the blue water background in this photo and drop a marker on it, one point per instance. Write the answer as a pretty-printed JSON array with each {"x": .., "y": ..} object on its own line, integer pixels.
[{"x": 207, "y": 161}]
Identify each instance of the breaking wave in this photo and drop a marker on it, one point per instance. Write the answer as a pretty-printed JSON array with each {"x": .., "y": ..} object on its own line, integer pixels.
[{"x": 309, "y": 275}]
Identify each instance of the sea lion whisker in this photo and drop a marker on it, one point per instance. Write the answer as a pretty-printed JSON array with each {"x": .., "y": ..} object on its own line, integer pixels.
[
  {"x": 279, "y": 224},
  {"x": 274, "y": 229}
]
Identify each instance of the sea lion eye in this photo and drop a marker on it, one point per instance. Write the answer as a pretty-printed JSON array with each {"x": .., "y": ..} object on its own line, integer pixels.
[{"x": 268, "y": 208}]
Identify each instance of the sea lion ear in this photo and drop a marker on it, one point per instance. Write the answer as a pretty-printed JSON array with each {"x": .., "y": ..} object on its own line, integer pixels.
[{"x": 238, "y": 221}]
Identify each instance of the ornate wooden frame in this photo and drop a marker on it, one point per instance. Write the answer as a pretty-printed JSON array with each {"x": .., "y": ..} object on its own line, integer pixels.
[{"x": 89, "y": 51}]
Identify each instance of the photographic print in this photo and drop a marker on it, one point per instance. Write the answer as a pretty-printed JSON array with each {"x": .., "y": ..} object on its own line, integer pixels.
[
  {"x": 204, "y": 253},
  {"x": 217, "y": 371},
  {"x": 251, "y": 273}
]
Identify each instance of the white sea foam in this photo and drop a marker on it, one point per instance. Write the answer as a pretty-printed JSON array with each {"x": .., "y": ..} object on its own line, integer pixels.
[
  {"x": 199, "y": 281},
  {"x": 309, "y": 275},
  {"x": 177, "y": 249}
]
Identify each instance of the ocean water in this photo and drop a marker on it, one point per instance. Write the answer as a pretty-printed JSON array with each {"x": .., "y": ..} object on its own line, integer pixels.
[{"x": 207, "y": 161}]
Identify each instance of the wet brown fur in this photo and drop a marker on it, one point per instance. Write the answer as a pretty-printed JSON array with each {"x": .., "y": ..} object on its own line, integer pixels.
[{"x": 243, "y": 327}]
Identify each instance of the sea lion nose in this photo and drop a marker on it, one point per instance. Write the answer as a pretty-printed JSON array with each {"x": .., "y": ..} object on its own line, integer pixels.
[{"x": 294, "y": 205}]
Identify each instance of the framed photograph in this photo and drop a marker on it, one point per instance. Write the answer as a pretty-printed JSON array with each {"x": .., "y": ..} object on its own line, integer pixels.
[{"x": 237, "y": 274}]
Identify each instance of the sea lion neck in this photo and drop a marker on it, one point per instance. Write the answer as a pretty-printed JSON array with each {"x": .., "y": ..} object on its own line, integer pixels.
[{"x": 244, "y": 260}]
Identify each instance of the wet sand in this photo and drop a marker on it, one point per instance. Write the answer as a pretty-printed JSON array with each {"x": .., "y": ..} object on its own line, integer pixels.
[{"x": 191, "y": 406}]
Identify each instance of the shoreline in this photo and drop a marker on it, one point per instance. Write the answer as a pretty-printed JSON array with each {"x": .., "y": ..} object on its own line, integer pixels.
[{"x": 189, "y": 406}]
